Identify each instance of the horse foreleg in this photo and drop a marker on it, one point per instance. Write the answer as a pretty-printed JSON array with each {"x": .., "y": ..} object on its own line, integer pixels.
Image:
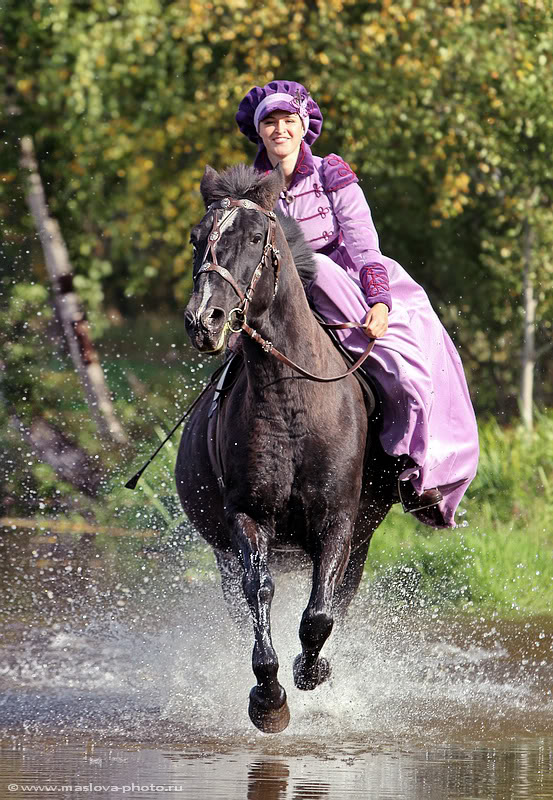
[
  {"x": 268, "y": 708},
  {"x": 374, "y": 509},
  {"x": 317, "y": 621}
]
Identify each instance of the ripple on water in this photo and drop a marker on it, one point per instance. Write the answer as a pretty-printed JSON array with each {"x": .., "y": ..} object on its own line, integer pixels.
[{"x": 414, "y": 676}]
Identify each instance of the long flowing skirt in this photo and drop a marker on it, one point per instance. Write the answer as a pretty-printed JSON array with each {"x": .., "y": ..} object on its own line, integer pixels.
[{"x": 427, "y": 411}]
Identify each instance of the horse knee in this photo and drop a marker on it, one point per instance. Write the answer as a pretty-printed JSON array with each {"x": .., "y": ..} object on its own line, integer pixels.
[
  {"x": 315, "y": 629},
  {"x": 266, "y": 590},
  {"x": 258, "y": 589}
]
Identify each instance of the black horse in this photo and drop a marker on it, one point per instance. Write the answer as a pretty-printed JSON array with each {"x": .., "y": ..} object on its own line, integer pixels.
[{"x": 299, "y": 461}]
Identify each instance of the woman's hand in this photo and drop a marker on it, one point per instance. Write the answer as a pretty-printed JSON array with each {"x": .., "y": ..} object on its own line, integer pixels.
[{"x": 376, "y": 321}]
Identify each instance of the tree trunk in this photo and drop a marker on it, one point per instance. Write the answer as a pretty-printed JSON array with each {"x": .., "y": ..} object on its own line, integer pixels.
[
  {"x": 528, "y": 361},
  {"x": 71, "y": 315}
]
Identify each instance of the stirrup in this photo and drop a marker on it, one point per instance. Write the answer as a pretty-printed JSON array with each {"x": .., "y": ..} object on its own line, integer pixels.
[{"x": 417, "y": 502}]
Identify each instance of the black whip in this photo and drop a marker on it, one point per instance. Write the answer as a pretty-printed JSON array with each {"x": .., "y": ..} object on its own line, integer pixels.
[{"x": 131, "y": 484}]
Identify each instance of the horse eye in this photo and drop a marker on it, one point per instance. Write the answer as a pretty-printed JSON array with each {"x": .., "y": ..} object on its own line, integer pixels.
[{"x": 256, "y": 238}]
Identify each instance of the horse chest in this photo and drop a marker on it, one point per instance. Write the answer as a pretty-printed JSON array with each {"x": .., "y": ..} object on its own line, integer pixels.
[{"x": 274, "y": 444}]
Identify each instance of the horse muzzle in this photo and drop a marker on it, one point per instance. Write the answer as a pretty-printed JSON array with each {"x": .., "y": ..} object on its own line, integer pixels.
[{"x": 207, "y": 330}]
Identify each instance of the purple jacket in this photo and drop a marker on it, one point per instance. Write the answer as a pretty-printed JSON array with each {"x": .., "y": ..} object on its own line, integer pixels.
[{"x": 327, "y": 201}]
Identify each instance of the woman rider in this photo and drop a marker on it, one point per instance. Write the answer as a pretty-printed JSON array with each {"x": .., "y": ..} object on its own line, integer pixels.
[{"x": 428, "y": 419}]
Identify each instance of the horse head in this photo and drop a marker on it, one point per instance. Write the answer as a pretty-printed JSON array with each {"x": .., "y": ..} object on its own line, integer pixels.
[{"x": 236, "y": 261}]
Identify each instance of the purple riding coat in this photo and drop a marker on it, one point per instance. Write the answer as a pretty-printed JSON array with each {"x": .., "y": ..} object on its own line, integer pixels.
[{"x": 428, "y": 413}]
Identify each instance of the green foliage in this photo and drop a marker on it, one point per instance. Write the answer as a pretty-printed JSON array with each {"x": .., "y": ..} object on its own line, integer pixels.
[
  {"x": 515, "y": 465},
  {"x": 501, "y": 555},
  {"x": 23, "y": 325},
  {"x": 153, "y": 376},
  {"x": 441, "y": 106},
  {"x": 451, "y": 134}
]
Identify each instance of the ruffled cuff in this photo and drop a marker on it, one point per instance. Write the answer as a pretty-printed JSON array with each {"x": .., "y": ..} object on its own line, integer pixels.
[{"x": 374, "y": 280}]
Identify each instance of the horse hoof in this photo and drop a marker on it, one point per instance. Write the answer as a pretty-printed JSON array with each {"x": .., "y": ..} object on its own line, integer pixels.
[
  {"x": 308, "y": 680},
  {"x": 268, "y": 720}
]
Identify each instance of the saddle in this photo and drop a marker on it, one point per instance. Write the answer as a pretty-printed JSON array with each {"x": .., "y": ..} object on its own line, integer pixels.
[{"x": 231, "y": 370}]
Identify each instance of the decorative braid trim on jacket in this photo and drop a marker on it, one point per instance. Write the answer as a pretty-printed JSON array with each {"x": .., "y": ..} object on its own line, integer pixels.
[
  {"x": 336, "y": 173},
  {"x": 374, "y": 280}
]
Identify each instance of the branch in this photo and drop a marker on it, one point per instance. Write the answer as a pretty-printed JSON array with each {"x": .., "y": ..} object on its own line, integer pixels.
[{"x": 74, "y": 323}]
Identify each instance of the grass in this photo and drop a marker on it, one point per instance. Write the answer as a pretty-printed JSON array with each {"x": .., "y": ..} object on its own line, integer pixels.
[
  {"x": 484, "y": 565},
  {"x": 501, "y": 556}
]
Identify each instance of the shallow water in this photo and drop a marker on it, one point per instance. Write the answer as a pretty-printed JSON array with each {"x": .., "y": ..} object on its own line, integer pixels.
[
  {"x": 153, "y": 691},
  {"x": 302, "y": 771}
]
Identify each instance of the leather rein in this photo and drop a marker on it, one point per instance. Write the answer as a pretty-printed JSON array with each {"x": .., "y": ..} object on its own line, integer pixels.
[{"x": 236, "y": 321}]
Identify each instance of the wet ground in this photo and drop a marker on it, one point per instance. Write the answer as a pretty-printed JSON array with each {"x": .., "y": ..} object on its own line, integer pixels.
[{"x": 139, "y": 687}]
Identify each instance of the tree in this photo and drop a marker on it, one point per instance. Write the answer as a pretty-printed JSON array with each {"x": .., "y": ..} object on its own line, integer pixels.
[
  {"x": 465, "y": 138},
  {"x": 442, "y": 107}
]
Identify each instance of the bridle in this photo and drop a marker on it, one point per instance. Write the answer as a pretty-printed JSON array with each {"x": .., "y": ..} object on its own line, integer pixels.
[
  {"x": 236, "y": 321},
  {"x": 237, "y": 316}
]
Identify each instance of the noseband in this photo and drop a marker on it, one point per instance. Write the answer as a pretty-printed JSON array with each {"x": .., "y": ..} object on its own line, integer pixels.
[
  {"x": 236, "y": 320},
  {"x": 237, "y": 316}
]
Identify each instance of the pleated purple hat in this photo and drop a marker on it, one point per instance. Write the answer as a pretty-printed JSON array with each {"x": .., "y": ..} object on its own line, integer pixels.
[{"x": 282, "y": 96}]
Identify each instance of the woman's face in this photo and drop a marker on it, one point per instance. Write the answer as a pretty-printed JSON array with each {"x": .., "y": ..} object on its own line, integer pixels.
[{"x": 281, "y": 133}]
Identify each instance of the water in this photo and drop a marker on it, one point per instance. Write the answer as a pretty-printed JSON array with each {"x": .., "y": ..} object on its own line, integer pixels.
[
  {"x": 121, "y": 690},
  {"x": 208, "y": 769}
]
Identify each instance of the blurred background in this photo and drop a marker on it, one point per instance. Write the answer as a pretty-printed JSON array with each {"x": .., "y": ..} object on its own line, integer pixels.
[{"x": 112, "y": 109}]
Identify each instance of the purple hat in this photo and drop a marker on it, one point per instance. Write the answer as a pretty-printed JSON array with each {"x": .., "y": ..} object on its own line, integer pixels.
[{"x": 282, "y": 95}]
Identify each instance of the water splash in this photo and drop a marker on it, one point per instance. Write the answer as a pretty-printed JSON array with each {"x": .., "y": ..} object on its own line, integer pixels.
[{"x": 173, "y": 668}]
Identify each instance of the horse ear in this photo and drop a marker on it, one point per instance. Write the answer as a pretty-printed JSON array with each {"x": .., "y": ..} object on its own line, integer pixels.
[
  {"x": 268, "y": 188},
  {"x": 208, "y": 182}
]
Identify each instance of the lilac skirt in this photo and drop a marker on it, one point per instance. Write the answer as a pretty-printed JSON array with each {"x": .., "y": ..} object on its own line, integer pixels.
[{"x": 427, "y": 410}]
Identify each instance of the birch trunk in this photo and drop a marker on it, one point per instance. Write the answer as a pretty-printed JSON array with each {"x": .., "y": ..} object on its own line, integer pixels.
[
  {"x": 528, "y": 361},
  {"x": 68, "y": 305}
]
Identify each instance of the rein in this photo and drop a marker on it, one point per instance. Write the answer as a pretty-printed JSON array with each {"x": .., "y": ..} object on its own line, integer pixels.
[{"x": 236, "y": 321}]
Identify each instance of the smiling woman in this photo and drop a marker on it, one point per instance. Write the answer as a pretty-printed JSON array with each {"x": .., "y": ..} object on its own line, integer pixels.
[{"x": 429, "y": 424}]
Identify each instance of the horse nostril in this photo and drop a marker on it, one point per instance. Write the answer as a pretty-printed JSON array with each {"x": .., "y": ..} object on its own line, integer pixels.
[{"x": 212, "y": 318}]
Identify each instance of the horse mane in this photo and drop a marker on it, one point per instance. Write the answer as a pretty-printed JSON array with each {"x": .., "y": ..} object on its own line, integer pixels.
[
  {"x": 242, "y": 181},
  {"x": 301, "y": 252}
]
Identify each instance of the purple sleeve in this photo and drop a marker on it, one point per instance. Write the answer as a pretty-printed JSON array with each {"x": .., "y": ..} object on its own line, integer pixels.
[
  {"x": 374, "y": 280},
  {"x": 360, "y": 238}
]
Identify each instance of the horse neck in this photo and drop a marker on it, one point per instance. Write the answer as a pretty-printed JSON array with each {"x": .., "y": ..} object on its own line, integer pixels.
[{"x": 289, "y": 324}]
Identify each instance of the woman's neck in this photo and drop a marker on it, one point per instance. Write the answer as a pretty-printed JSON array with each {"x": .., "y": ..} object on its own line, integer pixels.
[{"x": 288, "y": 164}]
